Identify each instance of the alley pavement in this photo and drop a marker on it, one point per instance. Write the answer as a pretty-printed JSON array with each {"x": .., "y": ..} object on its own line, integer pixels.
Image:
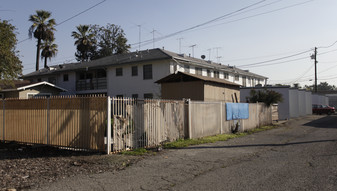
[{"x": 301, "y": 154}]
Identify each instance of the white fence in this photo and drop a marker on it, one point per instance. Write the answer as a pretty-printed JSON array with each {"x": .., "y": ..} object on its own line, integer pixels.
[
  {"x": 148, "y": 123},
  {"x": 145, "y": 123}
]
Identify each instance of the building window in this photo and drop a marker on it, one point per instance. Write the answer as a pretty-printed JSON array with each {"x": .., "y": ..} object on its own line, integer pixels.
[
  {"x": 216, "y": 74},
  {"x": 119, "y": 71},
  {"x": 148, "y": 96},
  {"x": 39, "y": 80},
  {"x": 134, "y": 96},
  {"x": 237, "y": 77},
  {"x": 209, "y": 73},
  {"x": 198, "y": 71},
  {"x": 2, "y": 96},
  {"x": 65, "y": 77},
  {"x": 31, "y": 95},
  {"x": 42, "y": 95},
  {"x": 244, "y": 82},
  {"x": 187, "y": 68},
  {"x": 147, "y": 72},
  {"x": 226, "y": 76},
  {"x": 134, "y": 71}
]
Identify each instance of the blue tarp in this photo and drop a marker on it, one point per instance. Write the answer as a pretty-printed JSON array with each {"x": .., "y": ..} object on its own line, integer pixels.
[{"x": 237, "y": 111}]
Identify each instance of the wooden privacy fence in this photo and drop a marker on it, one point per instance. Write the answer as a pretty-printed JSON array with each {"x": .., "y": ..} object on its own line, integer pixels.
[{"x": 74, "y": 122}]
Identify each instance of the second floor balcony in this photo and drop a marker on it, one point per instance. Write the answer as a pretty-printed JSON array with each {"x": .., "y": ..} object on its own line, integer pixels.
[{"x": 91, "y": 84}]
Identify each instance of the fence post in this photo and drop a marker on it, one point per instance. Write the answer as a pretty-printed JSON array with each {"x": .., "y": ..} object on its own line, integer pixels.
[
  {"x": 3, "y": 119},
  {"x": 221, "y": 131},
  {"x": 189, "y": 119},
  {"x": 257, "y": 114},
  {"x": 108, "y": 129},
  {"x": 48, "y": 120}
]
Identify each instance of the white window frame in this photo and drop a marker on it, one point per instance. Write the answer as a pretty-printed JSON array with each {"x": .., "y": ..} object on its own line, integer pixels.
[
  {"x": 28, "y": 94},
  {"x": 39, "y": 94}
]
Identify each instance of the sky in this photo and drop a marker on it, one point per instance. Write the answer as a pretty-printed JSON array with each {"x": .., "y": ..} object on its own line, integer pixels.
[{"x": 273, "y": 38}]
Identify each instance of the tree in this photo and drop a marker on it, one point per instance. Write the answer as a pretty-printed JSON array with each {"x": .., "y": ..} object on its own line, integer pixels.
[
  {"x": 85, "y": 43},
  {"x": 110, "y": 40},
  {"x": 323, "y": 86},
  {"x": 41, "y": 29},
  {"x": 49, "y": 50},
  {"x": 10, "y": 64},
  {"x": 266, "y": 96}
]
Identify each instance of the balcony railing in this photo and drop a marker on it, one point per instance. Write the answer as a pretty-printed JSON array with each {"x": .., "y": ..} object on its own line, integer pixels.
[{"x": 91, "y": 84}]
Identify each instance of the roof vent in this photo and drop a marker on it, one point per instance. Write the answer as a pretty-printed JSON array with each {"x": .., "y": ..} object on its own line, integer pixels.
[
  {"x": 246, "y": 70},
  {"x": 182, "y": 55}
]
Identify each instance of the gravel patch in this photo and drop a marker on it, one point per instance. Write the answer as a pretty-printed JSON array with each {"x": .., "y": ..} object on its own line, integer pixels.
[{"x": 23, "y": 167}]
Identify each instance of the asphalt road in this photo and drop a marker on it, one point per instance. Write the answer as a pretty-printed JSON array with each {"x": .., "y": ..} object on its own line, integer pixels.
[{"x": 299, "y": 155}]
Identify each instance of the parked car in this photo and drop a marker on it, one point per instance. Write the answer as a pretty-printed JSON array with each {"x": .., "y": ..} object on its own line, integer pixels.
[{"x": 322, "y": 109}]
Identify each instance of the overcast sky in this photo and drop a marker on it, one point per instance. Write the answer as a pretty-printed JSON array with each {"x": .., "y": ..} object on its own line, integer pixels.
[{"x": 273, "y": 38}]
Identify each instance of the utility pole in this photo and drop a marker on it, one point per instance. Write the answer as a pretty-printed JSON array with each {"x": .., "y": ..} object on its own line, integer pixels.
[
  {"x": 314, "y": 57},
  {"x": 180, "y": 44},
  {"x": 192, "y": 46}
]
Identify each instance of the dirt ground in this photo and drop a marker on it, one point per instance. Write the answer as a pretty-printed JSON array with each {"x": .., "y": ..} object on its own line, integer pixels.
[{"x": 23, "y": 167}]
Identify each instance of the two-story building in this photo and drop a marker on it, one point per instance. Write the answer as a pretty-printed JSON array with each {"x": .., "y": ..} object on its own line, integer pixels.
[{"x": 134, "y": 74}]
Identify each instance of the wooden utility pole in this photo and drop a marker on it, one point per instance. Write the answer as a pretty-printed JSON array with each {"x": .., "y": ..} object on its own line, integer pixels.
[{"x": 314, "y": 57}]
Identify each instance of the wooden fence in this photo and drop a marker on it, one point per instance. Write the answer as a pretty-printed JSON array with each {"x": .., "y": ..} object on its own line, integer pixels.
[{"x": 73, "y": 122}]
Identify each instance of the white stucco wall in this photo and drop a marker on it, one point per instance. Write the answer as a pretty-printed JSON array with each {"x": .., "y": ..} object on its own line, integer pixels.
[
  {"x": 69, "y": 85},
  {"x": 320, "y": 99},
  {"x": 308, "y": 100},
  {"x": 127, "y": 84},
  {"x": 302, "y": 102},
  {"x": 293, "y": 103}
]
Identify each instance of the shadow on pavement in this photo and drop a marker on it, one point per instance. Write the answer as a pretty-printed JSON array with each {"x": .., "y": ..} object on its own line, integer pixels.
[
  {"x": 14, "y": 150},
  {"x": 330, "y": 121},
  {"x": 260, "y": 145}
]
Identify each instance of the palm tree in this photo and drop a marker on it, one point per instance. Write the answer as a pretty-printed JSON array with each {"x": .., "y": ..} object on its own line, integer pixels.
[
  {"x": 41, "y": 29},
  {"x": 85, "y": 42},
  {"x": 49, "y": 50}
]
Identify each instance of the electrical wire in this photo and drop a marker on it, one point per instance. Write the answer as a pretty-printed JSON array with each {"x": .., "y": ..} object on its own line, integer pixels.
[
  {"x": 276, "y": 59},
  {"x": 199, "y": 25},
  {"x": 328, "y": 46},
  {"x": 264, "y": 13},
  {"x": 146, "y": 42},
  {"x": 303, "y": 74}
]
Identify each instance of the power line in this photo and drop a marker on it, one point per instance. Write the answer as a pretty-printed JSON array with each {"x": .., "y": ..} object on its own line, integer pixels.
[
  {"x": 202, "y": 24},
  {"x": 146, "y": 42},
  {"x": 328, "y": 46},
  {"x": 301, "y": 76},
  {"x": 263, "y": 13},
  {"x": 276, "y": 59}
]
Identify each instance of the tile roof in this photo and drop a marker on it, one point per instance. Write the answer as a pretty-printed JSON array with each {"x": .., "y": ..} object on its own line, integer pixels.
[
  {"x": 182, "y": 76},
  {"x": 139, "y": 56}
]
